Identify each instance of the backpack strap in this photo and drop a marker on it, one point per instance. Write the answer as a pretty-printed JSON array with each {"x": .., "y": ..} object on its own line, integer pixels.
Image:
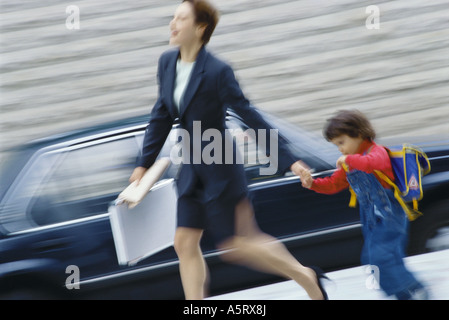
[
  {"x": 412, "y": 214},
  {"x": 353, "y": 200}
]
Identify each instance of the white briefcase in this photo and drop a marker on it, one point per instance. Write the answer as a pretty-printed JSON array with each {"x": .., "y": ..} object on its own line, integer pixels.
[{"x": 147, "y": 228}]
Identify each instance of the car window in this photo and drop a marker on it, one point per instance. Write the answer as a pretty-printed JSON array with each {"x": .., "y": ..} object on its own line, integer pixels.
[
  {"x": 59, "y": 185},
  {"x": 167, "y": 151},
  {"x": 84, "y": 181},
  {"x": 256, "y": 163},
  {"x": 13, "y": 208}
]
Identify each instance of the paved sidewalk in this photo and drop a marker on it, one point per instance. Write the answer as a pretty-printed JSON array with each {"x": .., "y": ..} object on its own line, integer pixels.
[{"x": 354, "y": 283}]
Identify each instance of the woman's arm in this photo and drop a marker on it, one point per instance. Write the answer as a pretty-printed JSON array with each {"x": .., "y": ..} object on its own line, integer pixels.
[
  {"x": 156, "y": 133},
  {"x": 232, "y": 96}
]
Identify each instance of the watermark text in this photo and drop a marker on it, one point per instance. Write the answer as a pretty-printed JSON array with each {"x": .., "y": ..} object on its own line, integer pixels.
[
  {"x": 212, "y": 146},
  {"x": 73, "y": 20}
]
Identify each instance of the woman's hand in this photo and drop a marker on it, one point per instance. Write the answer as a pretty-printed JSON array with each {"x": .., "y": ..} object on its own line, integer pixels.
[
  {"x": 298, "y": 167},
  {"x": 306, "y": 178},
  {"x": 302, "y": 170},
  {"x": 137, "y": 174}
]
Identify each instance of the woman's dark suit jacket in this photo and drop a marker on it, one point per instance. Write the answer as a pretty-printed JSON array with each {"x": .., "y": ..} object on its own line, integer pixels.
[{"x": 211, "y": 89}]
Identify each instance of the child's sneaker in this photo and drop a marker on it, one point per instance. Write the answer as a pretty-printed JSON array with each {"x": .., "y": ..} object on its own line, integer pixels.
[
  {"x": 419, "y": 294},
  {"x": 414, "y": 293}
]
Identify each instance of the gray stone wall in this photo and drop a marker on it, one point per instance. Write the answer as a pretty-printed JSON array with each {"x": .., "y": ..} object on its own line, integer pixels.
[{"x": 300, "y": 60}]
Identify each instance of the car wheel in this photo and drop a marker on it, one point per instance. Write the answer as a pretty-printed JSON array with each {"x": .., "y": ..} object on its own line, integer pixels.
[{"x": 431, "y": 231}]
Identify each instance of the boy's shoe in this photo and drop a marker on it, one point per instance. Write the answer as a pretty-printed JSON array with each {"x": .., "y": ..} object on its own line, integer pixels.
[
  {"x": 417, "y": 292},
  {"x": 420, "y": 294}
]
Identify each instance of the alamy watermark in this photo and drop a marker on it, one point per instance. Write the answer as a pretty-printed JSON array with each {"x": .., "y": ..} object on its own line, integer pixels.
[
  {"x": 207, "y": 147},
  {"x": 72, "y": 21},
  {"x": 372, "y": 22},
  {"x": 212, "y": 153},
  {"x": 373, "y": 279},
  {"x": 73, "y": 280}
]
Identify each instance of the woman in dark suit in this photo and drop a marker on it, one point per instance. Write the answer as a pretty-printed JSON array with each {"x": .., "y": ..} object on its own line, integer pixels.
[{"x": 196, "y": 88}]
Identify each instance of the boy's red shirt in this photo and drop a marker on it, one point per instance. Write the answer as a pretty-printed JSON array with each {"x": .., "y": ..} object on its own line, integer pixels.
[{"x": 376, "y": 159}]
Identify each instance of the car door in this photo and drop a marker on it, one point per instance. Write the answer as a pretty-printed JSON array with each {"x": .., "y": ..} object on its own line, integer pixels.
[
  {"x": 318, "y": 229},
  {"x": 56, "y": 214}
]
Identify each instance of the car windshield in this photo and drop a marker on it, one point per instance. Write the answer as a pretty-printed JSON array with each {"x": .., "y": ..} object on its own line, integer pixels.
[
  {"x": 11, "y": 163},
  {"x": 314, "y": 150},
  {"x": 306, "y": 144}
]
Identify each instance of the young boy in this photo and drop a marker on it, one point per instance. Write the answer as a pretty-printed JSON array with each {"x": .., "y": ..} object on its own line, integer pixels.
[{"x": 384, "y": 223}]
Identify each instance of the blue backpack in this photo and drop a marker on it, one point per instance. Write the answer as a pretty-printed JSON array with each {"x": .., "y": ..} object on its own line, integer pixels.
[{"x": 409, "y": 165}]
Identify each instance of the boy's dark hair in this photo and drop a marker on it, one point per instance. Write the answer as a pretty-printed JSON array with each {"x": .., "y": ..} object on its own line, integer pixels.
[
  {"x": 350, "y": 122},
  {"x": 205, "y": 14}
]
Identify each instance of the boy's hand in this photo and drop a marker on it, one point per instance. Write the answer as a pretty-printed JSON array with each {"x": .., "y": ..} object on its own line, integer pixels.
[{"x": 341, "y": 161}]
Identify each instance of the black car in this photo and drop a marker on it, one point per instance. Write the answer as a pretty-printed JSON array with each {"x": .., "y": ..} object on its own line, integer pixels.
[{"x": 56, "y": 239}]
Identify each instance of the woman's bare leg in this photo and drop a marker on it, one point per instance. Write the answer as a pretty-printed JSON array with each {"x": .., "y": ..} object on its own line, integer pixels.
[
  {"x": 192, "y": 267},
  {"x": 262, "y": 252}
]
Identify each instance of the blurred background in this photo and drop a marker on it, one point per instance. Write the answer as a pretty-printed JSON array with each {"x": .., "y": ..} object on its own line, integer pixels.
[{"x": 300, "y": 60}]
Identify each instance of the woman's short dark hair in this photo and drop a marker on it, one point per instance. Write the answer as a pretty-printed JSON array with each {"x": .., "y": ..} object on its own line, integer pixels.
[
  {"x": 205, "y": 14},
  {"x": 353, "y": 123}
]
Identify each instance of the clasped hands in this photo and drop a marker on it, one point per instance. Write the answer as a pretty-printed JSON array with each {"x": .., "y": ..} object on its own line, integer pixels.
[{"x": 302, "y": 170}]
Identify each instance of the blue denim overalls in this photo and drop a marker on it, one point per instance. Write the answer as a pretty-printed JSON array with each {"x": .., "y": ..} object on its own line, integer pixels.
[{"x": 385, "y": 231}]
